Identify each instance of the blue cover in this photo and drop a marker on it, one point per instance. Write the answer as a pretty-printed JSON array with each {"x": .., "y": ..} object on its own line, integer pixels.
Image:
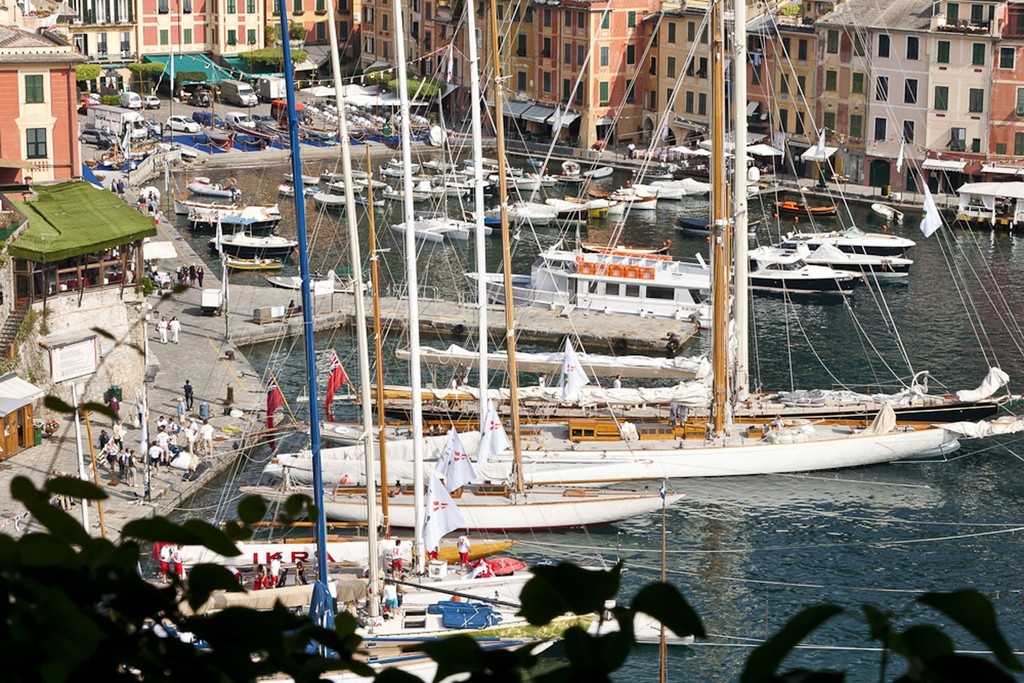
[
  {"x": 446, "y": 606},
  {"x": 473, "y": 621}
]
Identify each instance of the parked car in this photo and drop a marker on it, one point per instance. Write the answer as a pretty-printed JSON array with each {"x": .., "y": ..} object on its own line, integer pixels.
[
  {"x": 88, "y": 99},
  {"x": 181, "y": 123},
  {"x": 200, "y": 98},
  {"x": 208, "y": 118},
  {"x": 94, "y": 136},
  {"x": 155, "y": 128},
  {"x": 239, "y": 117},
  {"x": 263, "y": 120},
  {"x": 151, "y": 102},
  {"x": 130, "y": 100}
]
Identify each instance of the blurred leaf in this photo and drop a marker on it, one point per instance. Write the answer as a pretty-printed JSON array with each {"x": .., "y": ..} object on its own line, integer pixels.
[
  {"x": 212, "y": 537},
  {"x": 879, "y": 622},
  {"x": 44, "y": 550},
  {"x": 103, "y": 333},
  {"x": 595, "y": 658},
  {"x": 57, "y": 405},
  {"x": 553, "y": 591},
  {"x": 765, "y": 660},
  {"x": 974, "y": 612},
  {"x": 923, "y": 642},
  {"x": 296, "y": 506},
  {"x": 203, "y": 579},
  {"x": 457, "y": 654},
  {"x": 665, "y": 603},
  {"x": 101, "y": 408},
  {"x": 961, "y": 668},
  {"x": 251, "y": 509},
  {"x": 807, "y": 676},
  {"x": 190, "y": 532},
  {"x": 76, "y": 488},
  {"x": 393, "y": 675},
  {"x": 57, "y": 521}
]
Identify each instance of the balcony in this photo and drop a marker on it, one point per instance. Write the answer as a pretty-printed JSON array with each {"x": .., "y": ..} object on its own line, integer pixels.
[{"x": 963, "y": 26}]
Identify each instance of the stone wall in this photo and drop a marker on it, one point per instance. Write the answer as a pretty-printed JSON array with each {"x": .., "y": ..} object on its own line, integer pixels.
[{"x": 121, "y": 359}]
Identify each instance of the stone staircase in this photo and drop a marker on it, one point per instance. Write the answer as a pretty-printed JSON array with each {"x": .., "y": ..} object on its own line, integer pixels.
[{"x": 9, "y": 330}]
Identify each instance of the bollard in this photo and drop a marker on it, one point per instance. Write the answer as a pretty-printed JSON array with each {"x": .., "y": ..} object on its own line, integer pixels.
[{"x": 231, "y": 396}]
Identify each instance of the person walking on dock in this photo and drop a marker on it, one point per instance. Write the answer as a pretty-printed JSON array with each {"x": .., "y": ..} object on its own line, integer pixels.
[
  {"x": 161, "y": 328},
  {"x": 192, "y": 275},
  {"x": 188, "y": 395},
  {"x": 199, "y": 276},
  {"x": 462, "y": 545},
  {"x": 207, "y": 434},
  {"x": 175, "y": 328}
]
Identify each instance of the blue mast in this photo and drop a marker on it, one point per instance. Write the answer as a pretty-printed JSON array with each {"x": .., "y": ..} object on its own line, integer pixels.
[{"x": 307, "y": 299}]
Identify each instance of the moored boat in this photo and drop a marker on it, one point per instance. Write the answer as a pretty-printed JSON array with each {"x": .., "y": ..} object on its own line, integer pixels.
[{"x": 793, "y": 208}]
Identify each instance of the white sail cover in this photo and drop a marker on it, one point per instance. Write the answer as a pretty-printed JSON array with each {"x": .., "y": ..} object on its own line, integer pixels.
[
  {"x": 549, "y": 362},
  {"x": 493, "y": 440},
  {"x": 1007, "y": 424},
  {"x": 573, "y": 377},
  {"x": 884, "y": 422},
  {"x": 689, "y": 394},
  {"x": 995, "y": 380}
]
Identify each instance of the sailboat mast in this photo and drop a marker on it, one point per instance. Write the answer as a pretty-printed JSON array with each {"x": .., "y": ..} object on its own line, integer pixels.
[
  {"x": 719, "y": 221},
  {"x": 413, "y": 284},
  {"x": 506, "y": 252},
  {"x": 378, "y": 349},
  {"x": 478, "y": 203},
  {"x": 741, "y": 302},
  {"x": 307, "y": 300},
  {"x": 352, "y": 223}
]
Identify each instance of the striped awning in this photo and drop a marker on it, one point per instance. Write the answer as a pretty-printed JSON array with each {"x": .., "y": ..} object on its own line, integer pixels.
[{"x": 951, "y": 165}]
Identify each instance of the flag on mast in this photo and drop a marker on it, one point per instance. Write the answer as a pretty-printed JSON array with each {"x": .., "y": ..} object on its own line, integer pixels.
[
  {"x": 442, "y": 516},
  {"x": 454, "y": 464},
  {"x": 932, "y": 221},
  {"x": 450, "y": 73},
  {"x": 493, "y": 440},
  {"x": 336, "y": 376},
  {"x": 820, "y": 152},
  {"x": 573, "y": 376},
  {"x": 275, "y": 399},
  {"x": 901, "y": 158}
]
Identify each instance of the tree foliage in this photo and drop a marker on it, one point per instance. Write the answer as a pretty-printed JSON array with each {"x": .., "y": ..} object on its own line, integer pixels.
[
  {"x": 87, "y": 72},
  {"x": 272, "y": 57},
  {"x": 419, "y": 88},
  {"x": 78, "y": 609}
]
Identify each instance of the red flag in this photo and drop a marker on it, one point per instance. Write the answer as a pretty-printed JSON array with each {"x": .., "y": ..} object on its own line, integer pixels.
[
  {"x": 275, "y": 399},
  {"x": 336, "y": 376}
]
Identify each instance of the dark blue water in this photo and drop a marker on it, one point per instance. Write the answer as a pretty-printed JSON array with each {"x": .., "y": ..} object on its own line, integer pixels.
[{"x": 749, "y": 552}]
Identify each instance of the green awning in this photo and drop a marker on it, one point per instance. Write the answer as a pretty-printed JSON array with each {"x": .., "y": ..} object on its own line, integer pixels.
[
  {"x": 75, "y": 218},
  {"x": 215, "y": 73},
  {"x": 240, "y": 65}
]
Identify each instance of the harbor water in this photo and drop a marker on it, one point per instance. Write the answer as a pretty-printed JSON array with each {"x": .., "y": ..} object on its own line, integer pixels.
[{"x": 748, "y": 553}]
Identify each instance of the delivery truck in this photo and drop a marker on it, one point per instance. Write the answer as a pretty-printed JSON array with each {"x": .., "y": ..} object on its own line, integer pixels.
[
  {"x": 271, "y": 88},
  {"x": 238, "y": 92},
  {"x": 117, "y": 120}
]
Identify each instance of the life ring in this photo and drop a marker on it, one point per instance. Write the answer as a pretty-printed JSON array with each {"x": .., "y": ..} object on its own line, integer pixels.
[
  {"x": 647, "y": 273},
  {"x": 632, "y": 272},
  {"x": 615, "y": 270},
  {"x": 587, "y": 268}
]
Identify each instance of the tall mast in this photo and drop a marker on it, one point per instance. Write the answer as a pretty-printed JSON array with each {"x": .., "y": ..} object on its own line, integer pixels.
[
  {"x": 506, "y": 252},
  {"x": 412, "y": 278},
  {"x": 352, "y": 223},
  {"x": 741, "y": 369},
  {"x": 378, "y": 349},
  {"x": 478, "y": 203},
  {"x": 307, "y": 300},
  {"x": 719, "y": 221}
]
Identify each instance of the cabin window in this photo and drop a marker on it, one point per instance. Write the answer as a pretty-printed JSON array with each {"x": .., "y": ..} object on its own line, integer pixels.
[
  {"x": 832, "y": 42},
  {"x": 978, "y": 51},
  {"x": 910, "y": 91},
  {"x": 831, "y": 78},
  {"x": 941, "y": 97},
  {"x": 908, "y": 131},
  {"x": 664, "y": 293},
  {"x": 596, "y": 288},
  {"x": 880, "y": 126},
  {"x": 1020, "y": 101},
  {"x": 35, "y": 143},
  {"x": 912, "y": 47},
  {"x": 883, "y": 45},
  {"x": 633, "y": 291},
  {"x": 34, "y": 89},
  {"x": 943, "y": 52},
  {"x": 1018, "y": 143},
  {"x": 857, "y": 83},
  {"x": 1006, "y": 57},
  {"x": 882, "y": 89},
  {"x": 975, "y": 100}
]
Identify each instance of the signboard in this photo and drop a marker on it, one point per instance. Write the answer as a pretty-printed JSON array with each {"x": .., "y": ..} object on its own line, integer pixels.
[{"x": 74, "y": 359}]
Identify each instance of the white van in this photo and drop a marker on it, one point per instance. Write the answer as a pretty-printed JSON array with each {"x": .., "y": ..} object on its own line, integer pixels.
[
  {"x": 131, "y": 100},
  {"x": 233, "y": 117},
  {"x": 237, "y": 92}
]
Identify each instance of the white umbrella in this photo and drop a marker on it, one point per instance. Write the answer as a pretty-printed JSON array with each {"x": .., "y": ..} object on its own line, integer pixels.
[
  {"x": 692, "y": 152},
  {"x": 763, "y": 151}
]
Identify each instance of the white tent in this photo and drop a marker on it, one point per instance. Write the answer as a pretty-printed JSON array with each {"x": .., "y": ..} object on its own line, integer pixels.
[
  {"x": 763, "y": 151},
  {"x": 811, "y": 153}
]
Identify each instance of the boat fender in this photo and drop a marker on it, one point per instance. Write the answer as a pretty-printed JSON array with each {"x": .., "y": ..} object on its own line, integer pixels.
[
  {"x": 621, "y": 344},
  {"x": 459, "y": 330}
]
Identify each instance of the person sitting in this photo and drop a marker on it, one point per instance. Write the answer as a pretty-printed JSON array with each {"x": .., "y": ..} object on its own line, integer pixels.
[{"x": 777, "y": 423}]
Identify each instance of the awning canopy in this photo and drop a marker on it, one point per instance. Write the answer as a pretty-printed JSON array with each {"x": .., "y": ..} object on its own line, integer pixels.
[
  {"x": 1003, "y": 170},
  {"x": 752, "y": 108},
  {"x": 813, "y": 154},
  {"x": 1013, "y": 190},
  {"x": 16, "y": 393},
  {"x": 306, "y": 65},
  {"x": 691, "y": 151},
  {"x": 567, "y": 118},
  {"x": 605, "y": 121},
  {"x": 152, "y": 251},
  {"x": 318, "y": 54},
  {"x": 730, "y": 140},
  {"x": 74, "y": 218},
  {"x": 537, "y": 113},
  {"x": 318, "y": 91},
  {"x": 951, "y": 165},
  {"x": 516, "y": 109},
  {"x": 763, "y": 151},
  {"x": 215, "y": 73}
]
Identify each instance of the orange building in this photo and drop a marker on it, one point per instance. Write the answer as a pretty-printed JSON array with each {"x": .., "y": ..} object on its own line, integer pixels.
[{"x": 39, "y": 129}]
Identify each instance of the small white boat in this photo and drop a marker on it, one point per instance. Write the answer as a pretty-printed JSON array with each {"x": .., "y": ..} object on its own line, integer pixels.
[
  {"x": 665, "y": 193},
  {"x": 183, "y": 207},
  {"x": 393, "y": 169},
  {"x": 599, "y": 172},
  {"x": 334, "y": 177},
  {"x": 688, "y": 186},
  {"x": 205, "y": 188},
  {"x": 307, "y": 179},
  {"x": 329, "y": 200},
  {"x": 882, "y": 267},
  {"x": 247, "y": 246},
  {"x": 888, "y": 212},
  {"x": 332, "y": 283},
  {"x": 533, "y": 213},
  {"x": 286, "y": 190},
  {"x": 417, "y": 194},
  {"x": 781, "y": 270}
]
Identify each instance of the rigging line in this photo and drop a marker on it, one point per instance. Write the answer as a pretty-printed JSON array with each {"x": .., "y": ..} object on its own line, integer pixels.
[{"x": 952, "y": 266}]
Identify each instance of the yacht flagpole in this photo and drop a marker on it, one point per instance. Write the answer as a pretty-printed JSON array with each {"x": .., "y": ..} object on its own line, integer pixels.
[
  {"x": 352, "y": 222},
  {"x": 413, "y": 285},
  {"x": 320, "y": 534}
]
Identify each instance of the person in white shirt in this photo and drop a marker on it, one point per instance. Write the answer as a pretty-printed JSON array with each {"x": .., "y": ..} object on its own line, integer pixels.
[
  {"x": 462, "y": 545},
  {"x": 154, "y": 456},
  {"x": 542, "y": 381},
  {"x": 175, "y": 328},
  {"x": 161, "y": 328},
  {"x": 617, "y": 382},
  {"x": 207, "y": 434},
  {"x": 164, "y": 441}
]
